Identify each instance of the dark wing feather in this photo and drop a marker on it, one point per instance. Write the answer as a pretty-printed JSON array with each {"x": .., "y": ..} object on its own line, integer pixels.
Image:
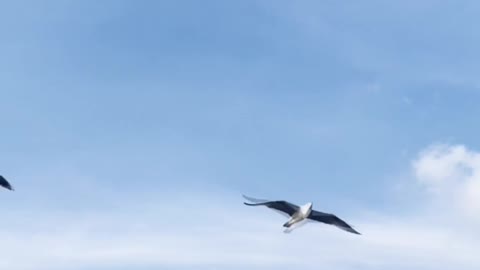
[
  {"x": 4, "y": 183},
  {"x": 283, "y": 206},
  {"x": 331, "y": 220}
]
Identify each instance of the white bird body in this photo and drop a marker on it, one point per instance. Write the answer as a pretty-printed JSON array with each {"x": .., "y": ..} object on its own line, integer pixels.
[
  {"x": 306, "y": 209},
  {"x": 302, "y": 213}
]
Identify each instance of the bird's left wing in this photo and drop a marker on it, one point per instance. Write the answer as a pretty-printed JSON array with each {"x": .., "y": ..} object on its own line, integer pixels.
[
  {"x": 283, "y": 206},
  {"x": 332, "y": 220},
  {"x": 254, "y": 200},
  {"x": 4, "y": 183}
]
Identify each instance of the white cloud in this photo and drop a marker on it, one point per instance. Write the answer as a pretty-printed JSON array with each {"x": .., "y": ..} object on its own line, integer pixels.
[
  {"x": 451, "y": 175},
  {"x": 203, "y": 231}
]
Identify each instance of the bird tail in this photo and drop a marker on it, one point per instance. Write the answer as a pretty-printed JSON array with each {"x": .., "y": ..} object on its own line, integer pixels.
[{"x": 289, "y": 223}]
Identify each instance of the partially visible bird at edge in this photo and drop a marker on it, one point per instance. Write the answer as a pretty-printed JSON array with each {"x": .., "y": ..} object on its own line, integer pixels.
[{"x": 4, "y": 183}]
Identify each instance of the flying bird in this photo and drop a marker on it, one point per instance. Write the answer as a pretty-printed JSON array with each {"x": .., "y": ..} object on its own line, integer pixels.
[
  {"x": 298, "y": 214},
  {"x": 4, "y": 183}
]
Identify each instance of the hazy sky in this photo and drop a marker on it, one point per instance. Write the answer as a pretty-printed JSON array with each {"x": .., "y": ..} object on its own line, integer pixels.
[{"x": 130, "y": 129}]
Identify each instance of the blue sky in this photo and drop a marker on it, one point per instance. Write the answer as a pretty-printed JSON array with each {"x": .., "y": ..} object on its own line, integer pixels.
[{"x": 125, "y": 109}]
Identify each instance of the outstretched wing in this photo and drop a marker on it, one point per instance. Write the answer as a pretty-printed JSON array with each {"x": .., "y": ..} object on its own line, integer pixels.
[
  {"x": 331, "y": 220},
  {"x": 4, "y": 183},
  {"x": 283, "y": 206}
]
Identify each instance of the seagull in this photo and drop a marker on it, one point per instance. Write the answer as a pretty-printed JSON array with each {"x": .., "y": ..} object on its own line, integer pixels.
[
  {"x": 4, "y": 183},
  {"x": 298, "y": 214}
]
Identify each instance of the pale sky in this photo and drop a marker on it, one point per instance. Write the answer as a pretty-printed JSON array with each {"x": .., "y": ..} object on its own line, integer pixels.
[{"x": 130, "y": 129}]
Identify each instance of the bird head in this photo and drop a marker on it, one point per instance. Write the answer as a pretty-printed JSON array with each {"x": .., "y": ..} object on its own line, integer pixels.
[{"x": 306, "y": 208}]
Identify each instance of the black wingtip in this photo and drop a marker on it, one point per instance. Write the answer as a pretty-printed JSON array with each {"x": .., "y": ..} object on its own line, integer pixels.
[
  {"x": 254, "y": 200},
  {"x": 348, "y": 229},
  {"x": 249, "y": 204},
  {"x": 353, "y": 231}
]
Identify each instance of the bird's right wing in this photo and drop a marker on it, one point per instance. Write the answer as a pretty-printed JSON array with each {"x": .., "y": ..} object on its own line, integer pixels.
[
  {"x": 4, "y": 183},
  {"x": 332, "y": 220},
  {"x": 283, "y": 206}
]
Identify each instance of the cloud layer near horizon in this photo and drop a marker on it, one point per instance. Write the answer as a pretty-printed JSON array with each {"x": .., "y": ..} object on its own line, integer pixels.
[{"x": 215, "y": 231}]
